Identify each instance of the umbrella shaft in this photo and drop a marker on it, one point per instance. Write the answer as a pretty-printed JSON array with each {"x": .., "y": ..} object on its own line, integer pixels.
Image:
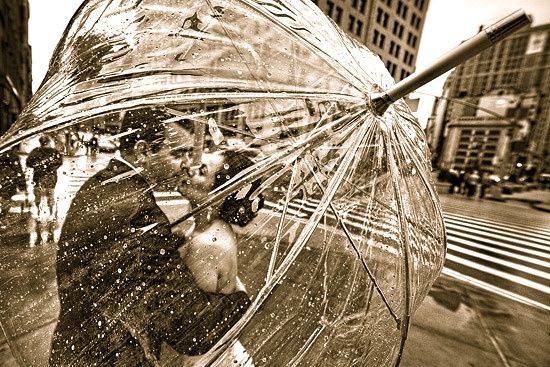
[{"x": 485, "y": 39}]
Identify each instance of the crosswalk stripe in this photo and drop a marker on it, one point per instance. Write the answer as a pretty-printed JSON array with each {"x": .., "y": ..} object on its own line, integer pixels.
[
  {"x": 496, "y": 260},
  {"x": 489, "y": 287},
  {"x": 458, "y": 241},
  {"x": 500, "y": 228},
  {"x": 492, "y": 238},
  {"x": 459, "y": 237},
  {"x": 530, "y": 228},
  {"x": 511, "y": 277}
]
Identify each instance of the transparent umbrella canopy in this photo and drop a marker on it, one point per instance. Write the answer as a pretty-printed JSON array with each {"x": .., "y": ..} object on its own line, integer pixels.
[{"x": 350, "y": 235}]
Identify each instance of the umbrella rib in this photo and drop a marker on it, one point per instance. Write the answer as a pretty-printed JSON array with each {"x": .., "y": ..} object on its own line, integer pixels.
[
  {"x": 278, "y": 236},
  {"x": 356, "y": 249},
  {"x": 405, "y": 323},
  {"x": 431, "y": 192}
]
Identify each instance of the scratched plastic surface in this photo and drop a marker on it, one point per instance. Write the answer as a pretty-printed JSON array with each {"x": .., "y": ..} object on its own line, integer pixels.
[{"x": 350, "y": 236}]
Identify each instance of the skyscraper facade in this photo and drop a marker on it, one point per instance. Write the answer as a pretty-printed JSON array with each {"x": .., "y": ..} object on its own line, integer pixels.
[
  {"x": 496, "y": 114},
  {"x": 390, "y": 28},
  {"x": 15, "y": 60}
]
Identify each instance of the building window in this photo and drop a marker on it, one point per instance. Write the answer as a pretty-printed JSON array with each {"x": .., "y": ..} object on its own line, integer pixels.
[
  {"x": 405, "y": 10},
  {"x": 330, "y": 8},
  {"x": 386, "y": 18},
  {"x": 400, "y": 33},
  {"x": 378, "y": 39},
  {"x": 415, "y": 21},
  {"x": 379, "y": 14},
  {"x": 408, "y": 58},
  {"x": 338, "y": 15},
  {"x": 351, "y": 23},
  {"x": 392, "y": 46},
  {"x": 359, "y": 28},
  {"x": 363, "y": 5},
  {"x": 411, "y": 39},
  {"x": 391, "y": 68}
]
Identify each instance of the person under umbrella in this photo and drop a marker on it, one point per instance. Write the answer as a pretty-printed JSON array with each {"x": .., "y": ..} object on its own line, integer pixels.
[
  {"x": 123, "y": 288},
  {"x": 211, "y": 250},
  {"x": 44, "y": 160}
]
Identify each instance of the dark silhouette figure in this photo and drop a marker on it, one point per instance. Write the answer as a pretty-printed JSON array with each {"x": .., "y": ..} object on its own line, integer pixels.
[
  {"x": 123, "y": 287},
  {"x": 44, "y": 161}
]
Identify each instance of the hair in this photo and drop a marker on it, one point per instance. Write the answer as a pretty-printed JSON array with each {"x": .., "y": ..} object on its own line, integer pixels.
[
  {"x": 44, "y": 140},
  {"x": 234, "y": 210},
  {"x": 145, "y": 124}
]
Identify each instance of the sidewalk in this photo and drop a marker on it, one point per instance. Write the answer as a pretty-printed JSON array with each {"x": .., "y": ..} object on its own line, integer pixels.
[
  {"x": 537, "y": 199},
  {"x": 460, "y": 325},
  {"x": 457, "y": 325}
]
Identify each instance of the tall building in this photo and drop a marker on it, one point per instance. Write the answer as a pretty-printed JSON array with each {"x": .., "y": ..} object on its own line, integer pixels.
[
  {"x": 390, "y": 28},
  {"x": 15, "y": 60},
  {"x": 497, "y": 115}
]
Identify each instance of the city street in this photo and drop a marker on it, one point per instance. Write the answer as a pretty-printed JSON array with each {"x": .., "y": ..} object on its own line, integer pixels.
[{"x": 490, "y": 307}]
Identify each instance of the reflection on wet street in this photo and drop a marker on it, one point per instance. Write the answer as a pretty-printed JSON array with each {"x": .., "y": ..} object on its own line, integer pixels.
[{"x": 461, "y": 325}]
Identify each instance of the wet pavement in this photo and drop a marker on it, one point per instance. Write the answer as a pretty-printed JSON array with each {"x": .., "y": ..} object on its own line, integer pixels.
[
  {"x": 461, "y": 325},
  {"x": 458, "y": 324}
]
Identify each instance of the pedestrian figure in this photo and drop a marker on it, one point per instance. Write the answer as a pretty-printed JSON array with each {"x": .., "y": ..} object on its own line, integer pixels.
[
  {"x": 453, "y": 178},
  {"x": 12, "y": 178},
  {"x": 123, "y": 287},
  {"x": 472, "y": 180},
  {"x": 485, "y": 184},
  {"x": 211, "y": 251},
  {"x": 461, "y": 183},
  {"x": 44, "y": 161}
]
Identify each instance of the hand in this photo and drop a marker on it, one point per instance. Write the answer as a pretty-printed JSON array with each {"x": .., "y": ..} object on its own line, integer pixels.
[
  {"x": 239, "y": 286},
  {"x": 184, "y": 229}
]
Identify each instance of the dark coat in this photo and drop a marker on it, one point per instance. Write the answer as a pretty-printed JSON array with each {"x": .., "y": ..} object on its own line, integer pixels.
[
  {"x": 12, "y": 177},
  {"x": 44, "y": 161},
  {"x": 123, "y": 288}
]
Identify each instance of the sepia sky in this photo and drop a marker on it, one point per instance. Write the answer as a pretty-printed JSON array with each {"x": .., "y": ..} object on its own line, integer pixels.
[{"x": 447, "y": 24}]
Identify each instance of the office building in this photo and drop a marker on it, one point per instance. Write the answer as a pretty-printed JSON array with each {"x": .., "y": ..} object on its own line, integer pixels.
[
  {"x": 496, "y": 114},
  {"x": 15, "y": 60},
  {"x": 390, "y": 28}
]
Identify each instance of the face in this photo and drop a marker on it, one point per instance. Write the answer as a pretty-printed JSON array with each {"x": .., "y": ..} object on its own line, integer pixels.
[
  {"x": 164, "y": 166},
  {"x": 197, "y": 182}
]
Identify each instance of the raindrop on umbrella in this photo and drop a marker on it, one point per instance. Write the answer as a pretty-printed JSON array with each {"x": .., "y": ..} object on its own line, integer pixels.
[{"x": 347, "y": 234}]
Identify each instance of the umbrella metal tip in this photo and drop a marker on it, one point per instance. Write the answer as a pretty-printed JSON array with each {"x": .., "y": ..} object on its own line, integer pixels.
[{"x": 379, "y": 102}]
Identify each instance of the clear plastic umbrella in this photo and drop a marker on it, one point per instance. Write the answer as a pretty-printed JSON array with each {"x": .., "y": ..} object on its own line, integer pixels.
[{"x": 350, "y": 236}]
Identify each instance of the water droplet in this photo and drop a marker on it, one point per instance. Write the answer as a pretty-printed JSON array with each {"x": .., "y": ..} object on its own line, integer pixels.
[{"x": 162, "y": 251}]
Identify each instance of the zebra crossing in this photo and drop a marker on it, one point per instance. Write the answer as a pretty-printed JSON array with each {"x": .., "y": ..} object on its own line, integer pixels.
[{"x": 511, "y": 259}]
